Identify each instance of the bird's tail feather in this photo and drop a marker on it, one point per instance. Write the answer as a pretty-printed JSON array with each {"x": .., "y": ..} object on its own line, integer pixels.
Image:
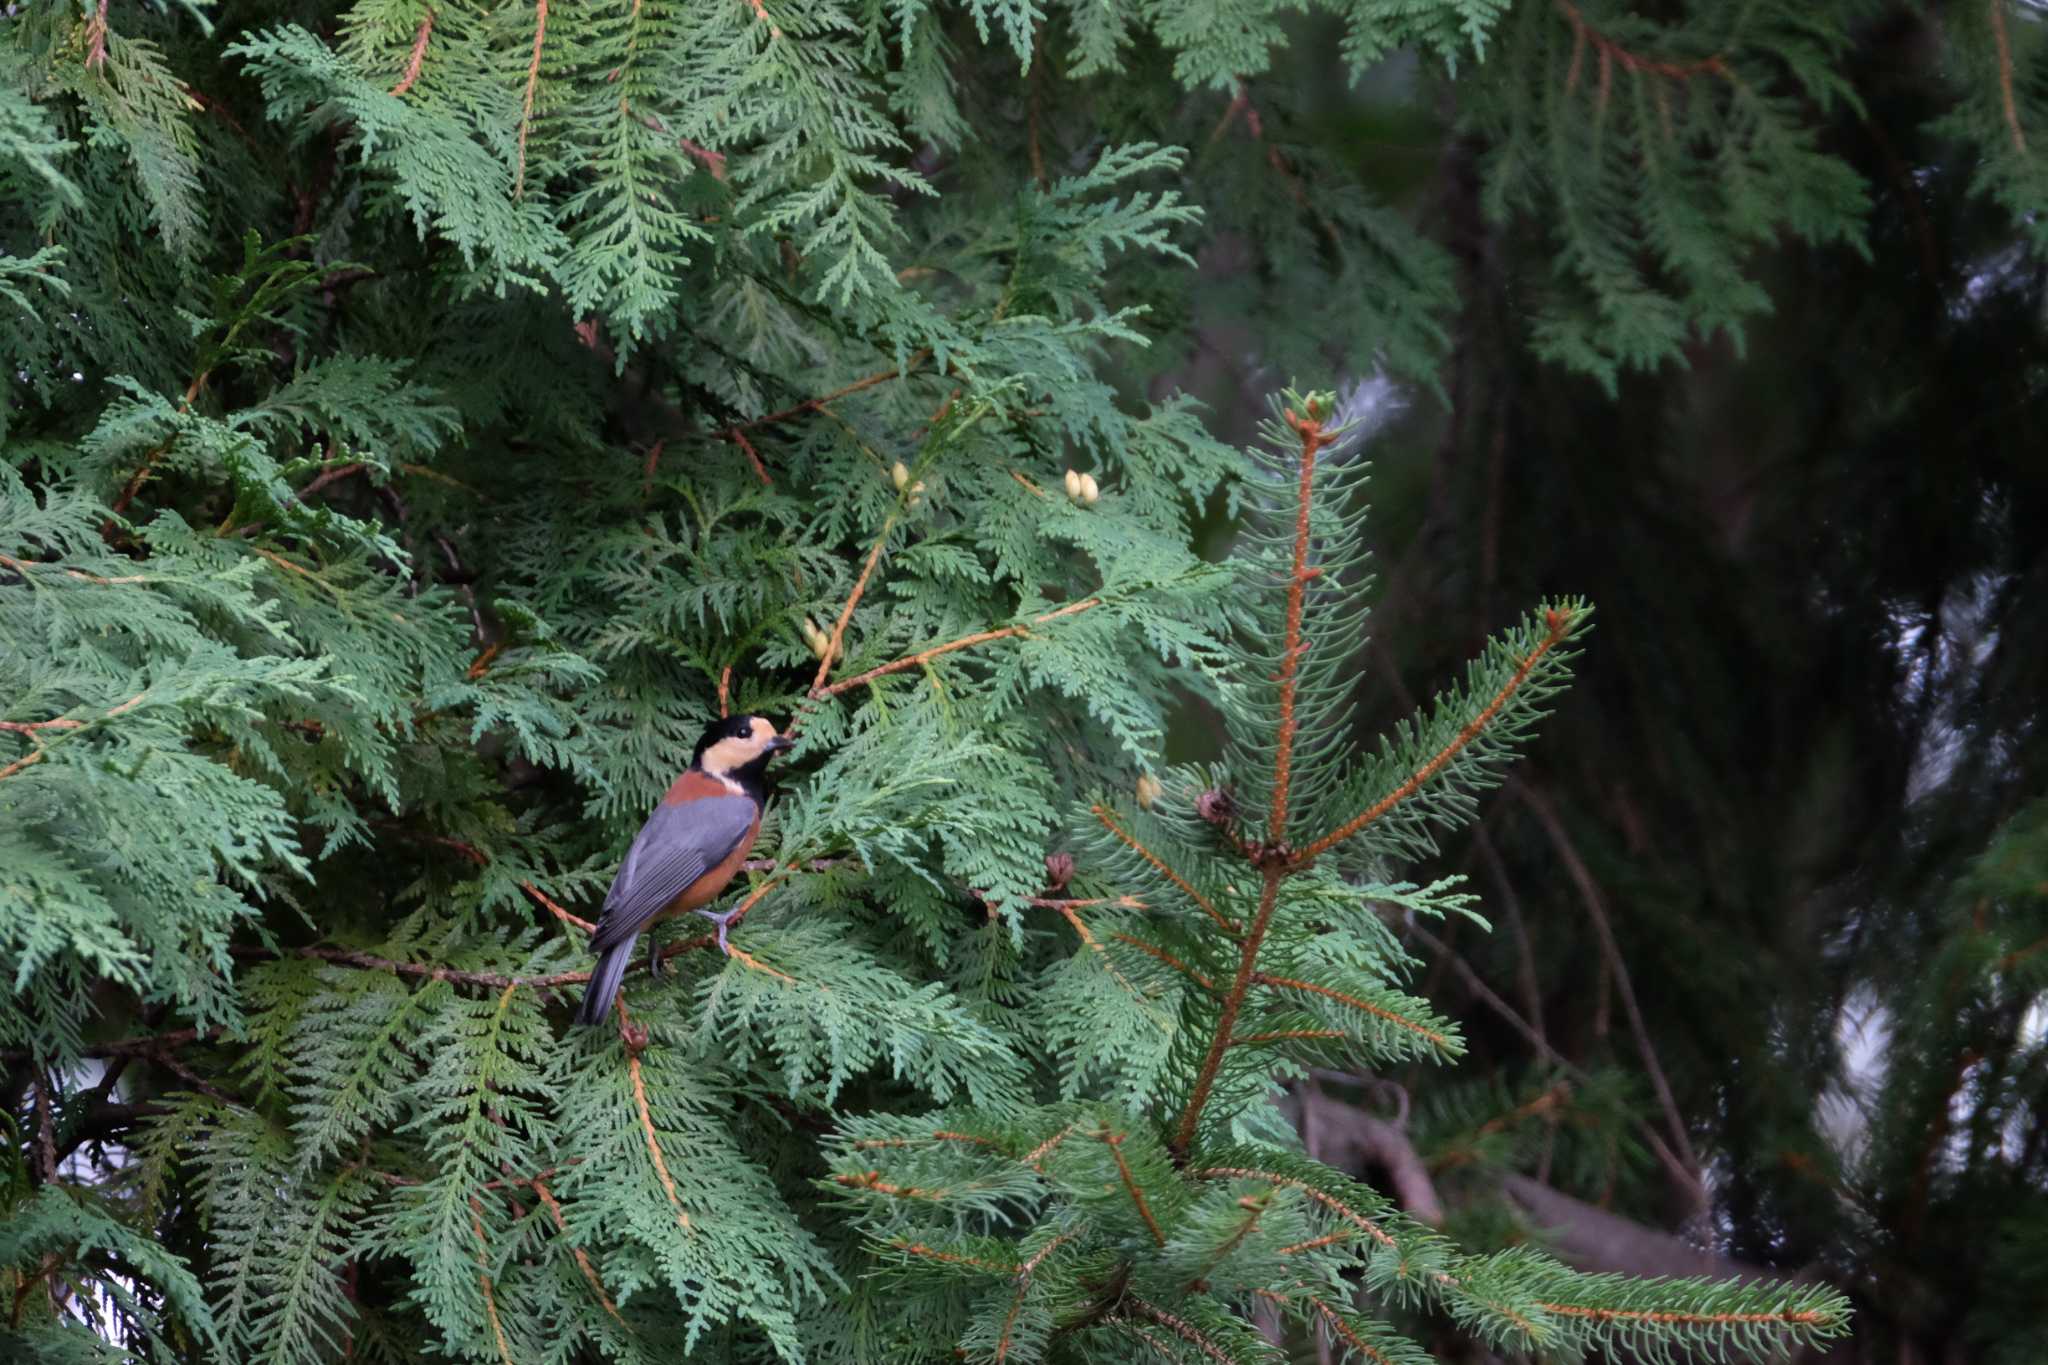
[{"x": 604, "y": 983}]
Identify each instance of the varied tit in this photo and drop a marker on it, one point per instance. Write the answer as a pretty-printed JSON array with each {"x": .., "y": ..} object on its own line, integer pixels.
[{"x": 687, "y": 851}]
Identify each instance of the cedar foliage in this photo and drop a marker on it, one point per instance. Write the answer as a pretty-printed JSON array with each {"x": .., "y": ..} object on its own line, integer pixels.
[{"x": 423, "y": 421}]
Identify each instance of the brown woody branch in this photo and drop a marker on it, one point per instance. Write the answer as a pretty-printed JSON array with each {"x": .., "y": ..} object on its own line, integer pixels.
[{"x": 872, "y": 1180}]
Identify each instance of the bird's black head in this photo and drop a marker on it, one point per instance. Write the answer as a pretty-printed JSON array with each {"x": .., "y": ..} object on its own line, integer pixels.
[{"x": 738, "y": 748}]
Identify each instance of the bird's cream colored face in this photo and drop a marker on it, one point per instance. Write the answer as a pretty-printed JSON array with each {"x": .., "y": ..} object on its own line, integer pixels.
[{"x": 740, "y": 750}]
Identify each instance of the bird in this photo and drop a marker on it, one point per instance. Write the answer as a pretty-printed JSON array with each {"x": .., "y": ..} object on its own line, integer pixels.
[{"x": 687, "y": 851}]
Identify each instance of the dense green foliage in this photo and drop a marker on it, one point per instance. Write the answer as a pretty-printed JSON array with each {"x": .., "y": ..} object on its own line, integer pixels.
[{"x": 422, "y": 421}]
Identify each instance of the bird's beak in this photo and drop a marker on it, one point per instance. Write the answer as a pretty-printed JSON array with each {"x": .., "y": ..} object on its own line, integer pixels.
[{"x": 779, "y": 744}]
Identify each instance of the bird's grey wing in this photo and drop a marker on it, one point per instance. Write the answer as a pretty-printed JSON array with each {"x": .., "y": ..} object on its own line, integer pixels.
[{"x": 676, "y": 846}]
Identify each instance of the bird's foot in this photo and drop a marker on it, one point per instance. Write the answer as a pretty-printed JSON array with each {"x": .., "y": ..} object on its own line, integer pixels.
[
  {"x": 724, "y": 919},
  {"x": 653, "y": 954}
]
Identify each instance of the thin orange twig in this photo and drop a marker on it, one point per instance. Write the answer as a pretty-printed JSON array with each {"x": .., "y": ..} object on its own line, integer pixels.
[
  {"x": 1613, "y": 53},
  {"x": 925, "y": 656},
  {"x": 860, "y": 586},
  {"x": 1115, "y": 1143},
  {"x": 753, "y": 456},
  {"x": 952, "y": 1258},
  {"x": 1182, "y": 1329},
  {"x": 1328, "y": 1239},
  {"x": 1351, "y": 1338},
  {"x": 1045, "y": 1149},
  {"x": 654, "y": 1146},
  {"x": 1312, "y": 440},
  {"x": 1169, "y": 959},
  {"x": 1287, "y": 1035},
  {"x": 540, "y": 30},
  {"x": 1559, "y": 624},
  {"x": 1335, "y": 1205},
  {"x": 583, "y": 1261},
  {"x": 419, "y": 55},
  {"x": 1292, "y": 984},
  {"x": 483, "y": 1275},
  {"x": 557, "y": 911},
  {"x": 1802, "y": 1317},
  {"x": 2012, "y": 112},
  {"x": 1108, "y": 819},
  {"x": 1226, "y": 1019},
  {"x": 872, "y": 1180}
]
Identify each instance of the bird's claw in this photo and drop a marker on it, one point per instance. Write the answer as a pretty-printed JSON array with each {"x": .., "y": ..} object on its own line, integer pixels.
[{"x": 724, "y": 920}]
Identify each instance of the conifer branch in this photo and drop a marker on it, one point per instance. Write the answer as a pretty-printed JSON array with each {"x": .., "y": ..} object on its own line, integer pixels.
[
  {"x": 554, "y": 1209},
  {"x": 737, "y": 432},
  {"x": 419, "y": 56},
  {"x": 1342, "y": 1330},
  {"x": 1222, "y": 921},
  {"x": 1115, "y": 1143},
  {"x": 752, "y": 899},
  {"x": 1558, "y": 625},
  {"x": 483, "y": 1276},
  {"x": 1287, "y": 1035},
  {"x": 1170, "y": 960},
  {"x": 540, "y": 31},
  {"x": 96, "y": 38},
  {"x": 1255, "y": 1209},
  {"x": 925, "y": 656},
  {"x": 753, "y": 457},
  {"x": 1226, "y": 1019},
  {"x": 1066, "y": 909},
  {"x": 668, "y": 1184},
  {"x": 860, "y": 586},
  {"x": 1331, "y": 1202},
  {"x": 2004, "y": 44},
  {"x": 557, "y": 911},
  {"x": 1313, "y": 439},
  {"x": 134, "y": 484},
  {"x": 1669, "y": 1317},
  {"x": 872, "y": 1180},
  {"x": 1610, "y": 947},
  {"x": 934, "y": 1254},
  {"x": 1399, "y": 1021},
  {"x": 1038, "y": 1154},
  {"x": 1180, "y": 1327},
  {"x": 1613, "y": 53},
  {"x": 23, "y": 566}
]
